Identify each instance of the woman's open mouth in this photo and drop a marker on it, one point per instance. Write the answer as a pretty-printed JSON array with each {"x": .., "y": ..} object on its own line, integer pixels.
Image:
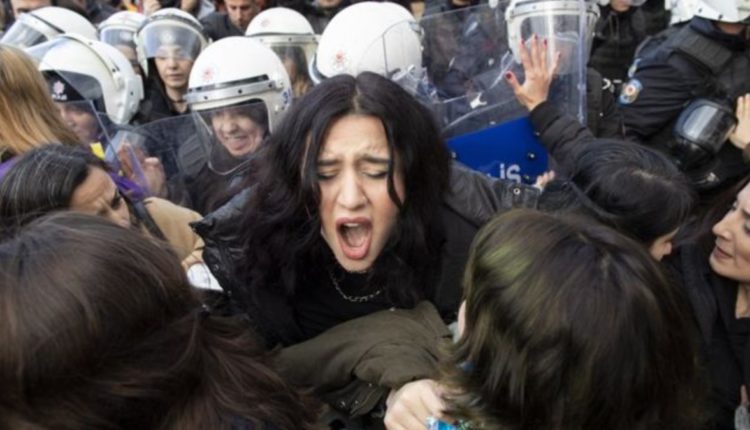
[{"x": 354, "y": 237}]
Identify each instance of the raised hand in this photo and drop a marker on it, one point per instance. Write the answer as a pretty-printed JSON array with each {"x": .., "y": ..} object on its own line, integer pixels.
[{"x": 538, "y": 74}]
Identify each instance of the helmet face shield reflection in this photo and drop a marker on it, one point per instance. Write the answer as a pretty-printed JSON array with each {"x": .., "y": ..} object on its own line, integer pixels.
[
  {"x": 562, "y": 33},
  {"x": 700, "y": 131},
  {"x": 231, "y": 135},
  {"x": 300, "y": 45},
  {"x": 83, "y": 119},
  {"x": 22, "y": 35},
  {"x": 567, "y": 25},
  {"x": 295, "y": 59},
  {"x": 117, "y": 36},
  {"x": 79, "y": 100},
  {"x": 396, "y": 53},
  {"x": 169, "y": 40}
]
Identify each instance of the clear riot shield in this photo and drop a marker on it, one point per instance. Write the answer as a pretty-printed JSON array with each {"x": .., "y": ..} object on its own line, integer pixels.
[
  {"x": 467, "y": 53},
  {"x": 147, "y": 155},
  {"x": 136, "y": 155},
  {"x": 197, "y": 160}
]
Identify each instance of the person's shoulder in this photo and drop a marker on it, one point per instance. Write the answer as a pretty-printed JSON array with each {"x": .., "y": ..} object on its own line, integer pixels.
[
  {"x": 214, "y": 16},
  {"x": 214, "y": 19}
]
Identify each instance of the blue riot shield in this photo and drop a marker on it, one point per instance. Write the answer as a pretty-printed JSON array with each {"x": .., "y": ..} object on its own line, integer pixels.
[{"x": 467, "y": 53}]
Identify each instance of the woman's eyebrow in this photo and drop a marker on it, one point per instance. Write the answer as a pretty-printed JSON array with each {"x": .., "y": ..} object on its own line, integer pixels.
[
  {"x": 325, "y": 162},
  {"x": 376, "y": 160}
]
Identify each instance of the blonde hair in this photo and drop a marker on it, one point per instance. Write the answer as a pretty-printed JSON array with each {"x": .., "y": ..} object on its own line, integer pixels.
[{"x": 28, "y": 117}]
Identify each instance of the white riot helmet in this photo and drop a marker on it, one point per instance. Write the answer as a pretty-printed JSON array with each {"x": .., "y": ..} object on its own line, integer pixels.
[
  {"x": 41, "y": 25},
  {"x": 222, "y": 87},
  {"x": 220, "y": 79},
  {"x": 734, "y": 11},
  {"x": 120, "y": 28},
  {"x": 383, "y": 38},
  {"x": 100, "y": 75},
  {"x": 680, "y": 10},
  {"x": 119, "y": 31},
  {"x": 169, "y": 32},
  {"x": 632, "y": 3},
  {"x": 279, "y": 21},
  {"x": 567, "y": 25},
  {"x": 291, "y": 37}
]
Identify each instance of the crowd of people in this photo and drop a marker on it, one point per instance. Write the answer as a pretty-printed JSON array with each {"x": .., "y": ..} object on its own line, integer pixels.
[{"x": 250, "y": 214}]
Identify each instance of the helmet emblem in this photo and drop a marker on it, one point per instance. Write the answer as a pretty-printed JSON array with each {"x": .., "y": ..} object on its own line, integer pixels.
[
  {"x": 208, "y": 75},
  {"x": 265, "y": 23},
  {"x": 340, "y": 61},
  {"x": 58, "y": 91}
]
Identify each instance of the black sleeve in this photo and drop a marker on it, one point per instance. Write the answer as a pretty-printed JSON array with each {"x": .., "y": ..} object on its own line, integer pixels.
[
  {"x": 610, "y": 124},
  {"x": 662, "y": 90},
  {"x": 477, "y": 197},
  {"x": 560, "y": 133}
]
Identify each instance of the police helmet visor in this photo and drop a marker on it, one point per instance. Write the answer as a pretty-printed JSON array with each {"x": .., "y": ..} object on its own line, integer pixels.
[
  {"x": 70, "y": 86},
  {"x": 286, "y": 45},
  {"x": 117, "y": 36},
  {"x": 705, "y": 124},
  {"x": 21, "y": 35},
  {"x": 169, "y": 40},
  {"x": 80, "y": 102},
  {"x": 232, "y": 134},
  {"x": 398, "y": 50},
  {"x": 563, "y": 36},
  {"x": 82, "y": 118}
]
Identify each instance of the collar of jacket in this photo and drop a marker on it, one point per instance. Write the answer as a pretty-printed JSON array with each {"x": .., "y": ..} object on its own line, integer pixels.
[{"x": 708, "y": 28}]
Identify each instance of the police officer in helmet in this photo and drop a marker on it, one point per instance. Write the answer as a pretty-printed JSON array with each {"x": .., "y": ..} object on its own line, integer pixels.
[{"x": 683, "y": 94}]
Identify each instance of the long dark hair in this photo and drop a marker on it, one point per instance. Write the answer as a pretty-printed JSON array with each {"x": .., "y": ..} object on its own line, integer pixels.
[
  {"x": 101, "y": 329},
  {"x": 632, "y": 188},
  {"x": 700, "y": 232},
  {"x": 44, "y": 180},
  {"x": 282, "y": 227},
  {"x": 570, "y": 325}
]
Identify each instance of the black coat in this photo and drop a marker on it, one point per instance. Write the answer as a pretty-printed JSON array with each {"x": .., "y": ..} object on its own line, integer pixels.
[
  {"x": 562, "y": 134},
  {"x": 616, "y": 36},
  {"x": 705, "y": 291},
  {"x": 472, "y": 200}
]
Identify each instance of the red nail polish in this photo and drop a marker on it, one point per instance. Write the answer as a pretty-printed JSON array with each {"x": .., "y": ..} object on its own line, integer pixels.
[{"x": 508, "y": 75}]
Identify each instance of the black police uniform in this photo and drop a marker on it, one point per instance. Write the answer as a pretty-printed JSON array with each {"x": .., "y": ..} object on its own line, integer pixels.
[
  {"x": 696, "y": 61},
  {"x": 616, "y": 36}
]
